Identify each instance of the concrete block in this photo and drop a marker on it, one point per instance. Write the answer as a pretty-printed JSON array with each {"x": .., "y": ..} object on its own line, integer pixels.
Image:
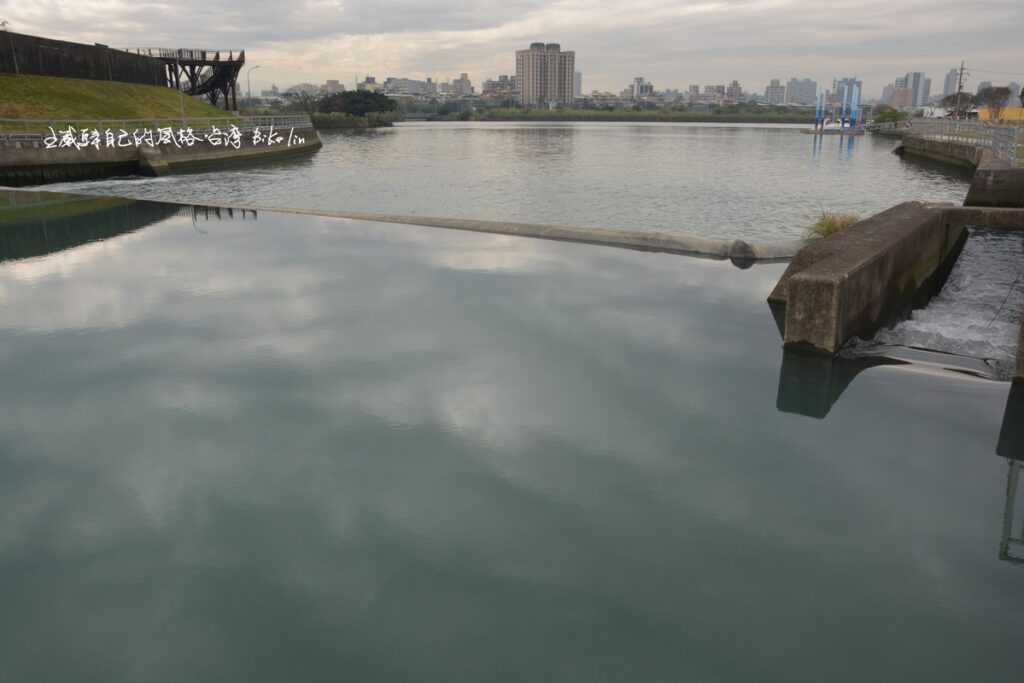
[
  {"x": 868, "y": 275},
  {"x": 995, "y": 183}
]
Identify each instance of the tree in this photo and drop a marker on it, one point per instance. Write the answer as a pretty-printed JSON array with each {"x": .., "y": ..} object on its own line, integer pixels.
[
  {"x": 994, "y": 99},
  {"x": 883, "y": 113},
  {"x": 356, "y": 103},
  {"x": 304, "y": 101}
]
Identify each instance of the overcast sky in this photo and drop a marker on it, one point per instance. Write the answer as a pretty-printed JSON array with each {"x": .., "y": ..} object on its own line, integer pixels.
[{"x": 671, "y": 42}]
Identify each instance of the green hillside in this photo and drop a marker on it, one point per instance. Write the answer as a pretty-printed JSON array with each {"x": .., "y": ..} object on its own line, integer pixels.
[{"x": 46, "y": 97}]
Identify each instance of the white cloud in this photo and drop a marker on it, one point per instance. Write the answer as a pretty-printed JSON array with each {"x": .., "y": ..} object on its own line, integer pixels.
[{"x": 670, "y": 42}]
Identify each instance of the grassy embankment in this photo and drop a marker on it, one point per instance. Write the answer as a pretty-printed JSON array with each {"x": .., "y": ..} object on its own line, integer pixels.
[
  {"x": 655, "y": 115},
  {"x": 81, "y": 102}
]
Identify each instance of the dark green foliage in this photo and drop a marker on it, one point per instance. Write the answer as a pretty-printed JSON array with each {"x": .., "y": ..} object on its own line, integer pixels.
[
  {"x": 886, "y": 114},
  {"x": 356, "y": 103}
]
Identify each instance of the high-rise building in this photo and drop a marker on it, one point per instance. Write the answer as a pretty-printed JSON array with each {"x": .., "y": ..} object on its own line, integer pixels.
[
  {"x": 846, "y": 85},
  {"x": 802, "y": 91},
  {"x": 734, "y": 92},
  {"x": 775, "y": 92},
  {"x": 577, "y": 85},
  {"x": 545, "y": 74},
  {"x": 919, "y": 86},
  {"x": 950, "y": 83}
]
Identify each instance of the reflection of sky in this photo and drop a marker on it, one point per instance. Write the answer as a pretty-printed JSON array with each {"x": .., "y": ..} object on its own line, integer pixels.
[{"x": 325, "y": 446}]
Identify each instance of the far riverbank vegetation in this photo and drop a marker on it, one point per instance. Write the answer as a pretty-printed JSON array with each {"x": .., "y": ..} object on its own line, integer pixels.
[
  {"x": 351, "y": 109},
  {"x": 727, "y": 114}
]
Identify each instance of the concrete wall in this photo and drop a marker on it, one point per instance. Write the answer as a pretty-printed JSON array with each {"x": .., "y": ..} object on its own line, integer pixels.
[
  {"x": 956, "y": 153},
  {"x": 866, "y": 276},
  {"x": 23, "y": 164},
  {"x": 995, "y": 183},
  {"x": 33, "y": 55}
]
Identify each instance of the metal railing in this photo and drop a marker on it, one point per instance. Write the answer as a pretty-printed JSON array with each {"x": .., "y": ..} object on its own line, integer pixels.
[
  {"x": 1005, "y": 141},
  {"x": 33, "y": 131},
  {"x": 189, "y": 54},
  {"x": 888, "y": 125}
]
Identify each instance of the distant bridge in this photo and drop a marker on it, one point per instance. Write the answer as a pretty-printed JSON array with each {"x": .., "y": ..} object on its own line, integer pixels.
[{"x": 200, "y": 72}]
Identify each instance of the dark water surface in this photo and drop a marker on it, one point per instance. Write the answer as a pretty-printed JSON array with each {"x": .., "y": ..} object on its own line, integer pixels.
[
  {"x": 279, "y": 447},
  {"x": 714, "y": 180}
]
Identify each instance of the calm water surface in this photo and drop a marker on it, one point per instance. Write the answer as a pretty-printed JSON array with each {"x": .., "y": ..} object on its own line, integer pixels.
[
  {"x": 764, "y": 182},
  {"x": 279, "y": 447}
]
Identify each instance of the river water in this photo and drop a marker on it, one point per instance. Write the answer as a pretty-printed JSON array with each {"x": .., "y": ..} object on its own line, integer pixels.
[
  {"x": 727, "y": 181},
  {"x": 239, "y": 447}
]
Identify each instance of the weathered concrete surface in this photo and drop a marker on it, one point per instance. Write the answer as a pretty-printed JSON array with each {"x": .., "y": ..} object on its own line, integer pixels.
[
  {"x": 997, "y": 218},
  {"x": 996, "y": 183},
  {"x": 32, "y": 164},
  {"x": 855, "y": 281},
  {"x": 23, "y": 164},
  {"x": 957, "y": 153},
  {"x": 163, "y": 160}
]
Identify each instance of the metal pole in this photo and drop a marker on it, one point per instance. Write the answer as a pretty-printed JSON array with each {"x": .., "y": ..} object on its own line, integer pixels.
[
  {"x": 181, "y": 95},
  {"x": 959, "y": 90},
  {"x": 248, "y": 80}
]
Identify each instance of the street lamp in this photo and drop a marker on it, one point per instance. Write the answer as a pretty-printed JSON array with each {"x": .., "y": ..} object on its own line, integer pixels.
[{"x": 248, "y": 80}]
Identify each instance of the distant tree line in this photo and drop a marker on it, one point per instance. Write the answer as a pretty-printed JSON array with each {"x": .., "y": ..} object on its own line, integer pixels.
[{"x": 352, "y": 102}]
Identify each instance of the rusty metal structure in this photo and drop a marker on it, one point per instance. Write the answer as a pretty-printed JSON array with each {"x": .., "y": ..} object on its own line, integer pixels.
[{"x": 213, "y": 73}]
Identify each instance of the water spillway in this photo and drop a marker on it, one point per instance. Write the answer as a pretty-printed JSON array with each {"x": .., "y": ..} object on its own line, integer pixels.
[{"x": 978, "y": 312}]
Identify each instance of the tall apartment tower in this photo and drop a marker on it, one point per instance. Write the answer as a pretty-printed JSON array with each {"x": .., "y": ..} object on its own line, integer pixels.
[
  {"x": 545, "y": 74},
  {"x": 949, "y": 85},
  {"x": 920, "y": 88}
]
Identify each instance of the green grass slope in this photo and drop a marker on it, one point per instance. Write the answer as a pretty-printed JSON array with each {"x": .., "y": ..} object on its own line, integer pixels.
[{"x": 47, "y": 97}]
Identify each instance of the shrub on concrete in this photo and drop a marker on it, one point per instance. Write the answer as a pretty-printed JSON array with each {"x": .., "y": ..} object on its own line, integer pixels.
[{"x": 831, "y": 222}]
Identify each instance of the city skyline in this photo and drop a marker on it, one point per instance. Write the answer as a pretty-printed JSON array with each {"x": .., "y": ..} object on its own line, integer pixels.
[{"x": 670, "y": 43}]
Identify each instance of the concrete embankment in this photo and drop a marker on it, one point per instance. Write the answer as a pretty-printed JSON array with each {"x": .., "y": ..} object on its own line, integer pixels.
[
  {"x": 30, "y": 163},
  {"x": 858, "y": 280},
  {"x": 851, "y": 283},
  {"x": 955, "y": 153},
  {"x": 996, "y": 183}
]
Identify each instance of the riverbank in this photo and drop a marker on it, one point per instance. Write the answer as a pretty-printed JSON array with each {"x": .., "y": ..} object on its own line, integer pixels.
[
  {"x": 119, "y": 150},
  {"x": 341, "y": 121},
  {"x": 646, "y": 116},
  {"x": 41, "y": 98},
  {"x": 994, "y": 152}
]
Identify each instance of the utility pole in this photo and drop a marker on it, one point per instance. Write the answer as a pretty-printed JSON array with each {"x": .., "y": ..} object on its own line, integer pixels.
[
  {"x": 960, "y": 89},
  {"x": 248, "y": 78}
]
